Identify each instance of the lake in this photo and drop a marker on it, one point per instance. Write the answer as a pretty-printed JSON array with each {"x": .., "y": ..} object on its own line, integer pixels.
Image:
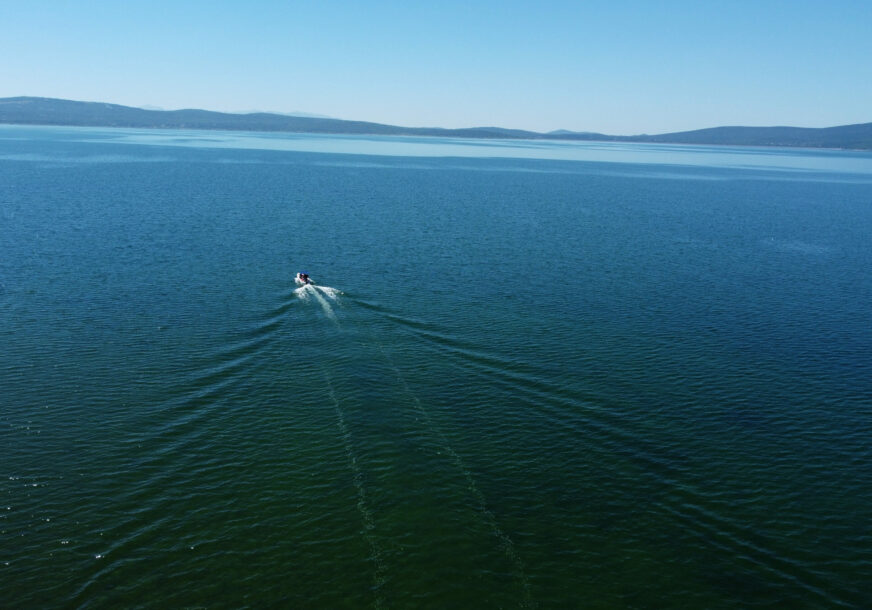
[{"x": 529, "y": 374}]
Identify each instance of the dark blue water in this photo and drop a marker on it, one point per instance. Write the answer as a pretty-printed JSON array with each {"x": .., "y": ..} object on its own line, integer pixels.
[{"x": 529, "y": 374}]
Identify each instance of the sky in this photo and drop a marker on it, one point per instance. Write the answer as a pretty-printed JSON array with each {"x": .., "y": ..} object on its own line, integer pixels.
[{"x": 618, "y": 67}]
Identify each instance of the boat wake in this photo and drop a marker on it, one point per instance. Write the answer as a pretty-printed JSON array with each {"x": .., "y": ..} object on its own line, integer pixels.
[{"x": 311, "y": 291}]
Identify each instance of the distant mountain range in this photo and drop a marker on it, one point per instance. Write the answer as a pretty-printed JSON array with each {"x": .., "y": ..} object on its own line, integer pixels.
[{"x": 49, "y": 111}]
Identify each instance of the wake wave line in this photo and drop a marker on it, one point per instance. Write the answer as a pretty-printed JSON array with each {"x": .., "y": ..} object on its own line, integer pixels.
[
  {"x": 716, "y": 529},
  {"x": 310, "y": 290},
  {"x": 379, "y": 578},
  {"x": 506, "y": 543}
]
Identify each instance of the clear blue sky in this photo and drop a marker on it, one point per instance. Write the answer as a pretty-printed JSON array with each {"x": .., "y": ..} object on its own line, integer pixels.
[{"x": 620, "y": 67}]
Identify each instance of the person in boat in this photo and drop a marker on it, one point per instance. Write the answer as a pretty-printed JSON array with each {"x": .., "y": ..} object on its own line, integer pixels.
[{"x": 304, "y": 277}]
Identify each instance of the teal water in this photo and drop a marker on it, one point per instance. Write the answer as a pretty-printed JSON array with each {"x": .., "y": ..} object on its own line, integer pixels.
[{"x": 530, "y": 375}]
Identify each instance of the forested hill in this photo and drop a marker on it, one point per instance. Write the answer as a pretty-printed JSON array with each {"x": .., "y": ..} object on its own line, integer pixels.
[{"x": 48, "y": 111}]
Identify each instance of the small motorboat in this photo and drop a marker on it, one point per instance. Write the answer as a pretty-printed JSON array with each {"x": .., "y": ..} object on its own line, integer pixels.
[{"x": 302, "y": 279}]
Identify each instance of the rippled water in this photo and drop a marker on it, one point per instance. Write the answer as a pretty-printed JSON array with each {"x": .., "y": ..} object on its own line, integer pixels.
[{"x": 528, "y": 375}]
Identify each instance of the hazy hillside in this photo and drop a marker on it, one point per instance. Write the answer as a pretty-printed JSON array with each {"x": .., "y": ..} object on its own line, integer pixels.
[
  {"x": 48, "y": 111},
  {"x": 845, "y": 136}
]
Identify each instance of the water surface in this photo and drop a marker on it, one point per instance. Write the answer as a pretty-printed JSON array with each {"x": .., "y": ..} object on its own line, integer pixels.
[{"x": 530, "y": 374}]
